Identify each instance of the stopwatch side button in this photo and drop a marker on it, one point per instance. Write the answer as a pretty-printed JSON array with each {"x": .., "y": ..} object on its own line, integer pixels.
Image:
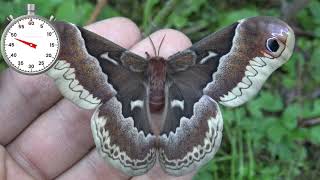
[
  {"x": 52, "y": 18},
  {"x": 10, "y": 18}
]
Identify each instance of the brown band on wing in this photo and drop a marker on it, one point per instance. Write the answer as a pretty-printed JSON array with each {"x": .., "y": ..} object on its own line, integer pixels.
[
  {"x": 219, "y": 42},
  {"x": 97, "y": 45},
  {"x": 119, "y": 142},
  {"x": 248, "y": 43},
  {"x": 87, "y": 69}
]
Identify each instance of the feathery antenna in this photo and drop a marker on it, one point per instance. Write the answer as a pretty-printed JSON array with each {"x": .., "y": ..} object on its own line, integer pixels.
[
  {"x": 161, "y": 44},
  {"x": 154, "y": 48}
]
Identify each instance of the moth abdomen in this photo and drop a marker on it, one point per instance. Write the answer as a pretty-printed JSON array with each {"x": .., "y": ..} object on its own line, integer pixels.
[{"x": 156, "y": 78}]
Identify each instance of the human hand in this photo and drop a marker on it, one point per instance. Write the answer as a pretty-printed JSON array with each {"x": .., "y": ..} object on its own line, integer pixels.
[{"x": 45, "y": 136}]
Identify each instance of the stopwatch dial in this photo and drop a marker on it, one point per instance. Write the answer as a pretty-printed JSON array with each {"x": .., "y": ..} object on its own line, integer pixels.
[{"x": 30, "y": 45}]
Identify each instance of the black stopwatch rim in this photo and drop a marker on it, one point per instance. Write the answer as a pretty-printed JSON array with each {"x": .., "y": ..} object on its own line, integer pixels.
[{"x": 4, "y": 55}]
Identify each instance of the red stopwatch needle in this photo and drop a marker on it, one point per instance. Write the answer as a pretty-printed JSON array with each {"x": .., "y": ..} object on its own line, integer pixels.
[{"x": 27, "y": 43}]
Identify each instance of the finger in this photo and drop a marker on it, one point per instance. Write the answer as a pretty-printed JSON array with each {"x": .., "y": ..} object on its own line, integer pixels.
[
  {"x": 117, "y": 32},
  {"x": 55, "y": 141},
  {"x": 92, "y": 167},
  {"x": 2, "y": 163},
  {"x": 23, "y": 98},
  {"x": 9, "y": 169},
  {"x": 178, "y": 42},
  {"x": 174, "y": 41},
  {"x": 59, "y": 137}
]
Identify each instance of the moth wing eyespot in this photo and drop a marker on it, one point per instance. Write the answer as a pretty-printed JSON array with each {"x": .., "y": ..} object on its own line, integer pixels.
[{"x": 272, "y": 45}]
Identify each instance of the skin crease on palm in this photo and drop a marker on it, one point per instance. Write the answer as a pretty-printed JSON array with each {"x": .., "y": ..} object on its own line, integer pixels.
[{"x": 44, "y": 136}]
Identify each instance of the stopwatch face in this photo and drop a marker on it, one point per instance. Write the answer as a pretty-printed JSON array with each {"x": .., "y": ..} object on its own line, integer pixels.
[{"x": 30, "y": 44}]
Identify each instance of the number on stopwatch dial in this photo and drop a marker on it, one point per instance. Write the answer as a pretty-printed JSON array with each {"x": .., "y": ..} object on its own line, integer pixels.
[{"x": 30, "y": 45}]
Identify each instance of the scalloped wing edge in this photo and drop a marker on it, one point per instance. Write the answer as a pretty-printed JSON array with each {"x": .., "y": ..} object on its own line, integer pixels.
[
  {"x": 65, "y": 79},
  {"x": 112, "y": 153},
  {"x": 205, "y": 152}
]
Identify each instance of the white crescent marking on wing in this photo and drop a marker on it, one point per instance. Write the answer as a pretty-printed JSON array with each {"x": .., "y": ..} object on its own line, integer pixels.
[
  {"x": 106, "y": 56},
  {"x": 177, "y": 103},
  {"x": 205, "y": 59},
  {"x": 136, "y": 103}
]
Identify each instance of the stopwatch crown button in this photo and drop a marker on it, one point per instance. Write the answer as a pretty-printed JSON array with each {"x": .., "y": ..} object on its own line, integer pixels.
[{"x": 31, "y": 9}]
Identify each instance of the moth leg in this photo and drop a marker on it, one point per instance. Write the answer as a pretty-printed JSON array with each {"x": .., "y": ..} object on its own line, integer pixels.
[
  {"x": 195, "y": 141},
  {"x": 119, "y": 142}
]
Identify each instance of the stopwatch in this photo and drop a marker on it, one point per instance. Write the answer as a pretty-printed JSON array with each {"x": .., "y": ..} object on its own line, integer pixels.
[{"x": 30, "y": 44}]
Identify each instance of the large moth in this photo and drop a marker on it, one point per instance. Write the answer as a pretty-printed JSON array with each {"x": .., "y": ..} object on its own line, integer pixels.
[{"x": 227, "y": 67}]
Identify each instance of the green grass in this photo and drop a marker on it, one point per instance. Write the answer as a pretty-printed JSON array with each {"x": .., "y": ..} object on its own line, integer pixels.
[{"x": 262, "y": 140}]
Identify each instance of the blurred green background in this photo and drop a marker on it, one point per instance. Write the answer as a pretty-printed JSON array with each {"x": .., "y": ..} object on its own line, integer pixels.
[{"x": 274, "y": 136}]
